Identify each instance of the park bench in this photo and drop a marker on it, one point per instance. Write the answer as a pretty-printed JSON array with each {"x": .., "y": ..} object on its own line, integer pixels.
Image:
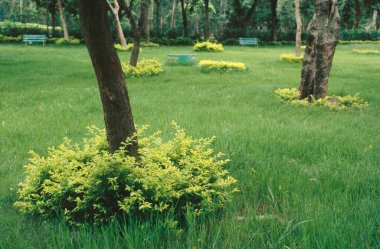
[
  {"x": 245, "y": 41},
  {"x": 181, "y": 59},
  {"x": 29, "y": 39}
]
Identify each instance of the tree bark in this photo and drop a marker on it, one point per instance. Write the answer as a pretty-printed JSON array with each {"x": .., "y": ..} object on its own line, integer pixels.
[
  {"x": 207, "y": 21},
  {"x": 113, "y": 91},
  {"x": 323, "y": 35},
  {"x": 184, "y": 18},
  {"x": 52, "y": 15},
  {"x": 274, "y": 20},
  {"x": 174, "y": 10},
  {"x": 146, "y": 24},
  {"x": 115, "y": 11},
  {"x": 299, "y": 27},
  {"x": 374, "y": 20},
  {"x": 358, "y": 12},
  {"x": 63, "y": 20},
  {"x": 158, "y": 31}
]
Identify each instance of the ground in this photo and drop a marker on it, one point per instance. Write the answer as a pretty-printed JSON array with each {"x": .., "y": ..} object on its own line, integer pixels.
[{"x": 308, "y": 177}]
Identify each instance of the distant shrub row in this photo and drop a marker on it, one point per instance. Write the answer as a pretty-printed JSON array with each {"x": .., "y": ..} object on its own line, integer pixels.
[
  {"x": 210, "y": 65},
  {"x": 208, "y": 46},
  {"x": 363, "y": 51},
  {"x": 291, "y": 58}
]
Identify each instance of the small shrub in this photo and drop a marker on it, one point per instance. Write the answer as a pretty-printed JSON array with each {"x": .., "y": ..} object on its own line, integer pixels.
[
  {"x": 119, "y": 48},
  {"x": 90, "y": 184},
  {"x": 210, "y": 65},
  {"x": 146, "y": 67},
  {"x": 292, "y": 96},
  {"x": 10, "y": 39},
  {"x": 363, "y": 51},
  {"x": 342, "y": 42},
  {"x": 149, "y": 44},
  {"x": 208, "y": 46},
  {"x": 63, "y": 41},
  {"x": 291, "y": 58}
]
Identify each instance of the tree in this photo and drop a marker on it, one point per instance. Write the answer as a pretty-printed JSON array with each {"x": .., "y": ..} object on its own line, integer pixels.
[
  {"x": 63, "y": 20},
  {"x": 243, "y": 15},
  {"x": 207, "y": 20},
  {"x": 184, "y": 6},
  {"x": 274, "y": 19},
  {"x": 113, "y": 91},
  {"x": 115, "y": 11},
  {"x": 375, "y": 7},
  {"x": 358, "y": 12},
  {"x": 299, "y": 27},
  {"x": 323, "y": 35},
  {"x": 174, "y": 11}
]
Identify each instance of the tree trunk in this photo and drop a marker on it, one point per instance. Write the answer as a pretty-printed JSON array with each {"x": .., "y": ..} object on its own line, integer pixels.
[
  {"x": 374, "y": 20},
  {"x": 52, "y": 14},
  {"x": 184, "y": 18},
  {"x": 113, "y": 91},
  {"x": 63, "y": 20},
  {"x": 358, "y": 12},
  {"x": 174, "y": 10},
  {"x": 207, "y": 21},
  {"x": 323, "y": 35},
  {"x": 115, "y": 11},
  {"x": 158, "y": 31},
  {"x": 299, "y": 27},
  {"x": 274, "y": 20},
  {"x": 146, "y": 24}
]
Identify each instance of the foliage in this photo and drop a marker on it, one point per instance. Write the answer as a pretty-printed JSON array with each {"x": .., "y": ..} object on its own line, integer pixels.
[
  {"x": 291, "y": 58},
  {"x": 128, "y": 48},
  {"x": 365, "y": 51},
  {"x": 343, "y": 42},
  {"x": 358, "y": 34},
  {"x": 71, "y": 41},
  {"x": 292, "y": 95},
  {"x": 9, "y": 28},
  {"x": 208, "y": 46},
  {"x": 10, "y": 39},
  {"x": 210, "y": 65},
  {"x": 90, "y": 184},
  {"x": 149, "y": 44},
  {"x": 146, "y": 67},
  {"x": 179, "y": 41}
]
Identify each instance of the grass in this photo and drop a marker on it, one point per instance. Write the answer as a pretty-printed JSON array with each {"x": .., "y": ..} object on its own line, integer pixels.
[{"x": 309, "y": 177}]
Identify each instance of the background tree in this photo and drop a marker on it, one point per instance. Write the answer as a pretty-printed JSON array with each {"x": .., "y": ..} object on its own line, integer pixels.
[
  {"x": 115, "y": 8},
  {"x": 113, "y": 91},
  {"x": 63, "y": 20},
  {"x": 323, "y": 35},
  {"x": 299, "y": 27}
]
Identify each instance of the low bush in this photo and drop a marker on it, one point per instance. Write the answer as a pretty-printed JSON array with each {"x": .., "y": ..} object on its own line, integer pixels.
[
  {"x": 363, "y": 51},
  {"x": 208, "y": 46},
  {"x": 149, "y": 44},
  {"x": 343, "y": 42},
  {"x": 91, "y": 185},
  {"x": 146, "y": 67},
  {"x": 292, "y": 95},
  {"x": 70, "y": 41},
  {"x": 10, "y": 39},
  {"x": 291, "y": 58},
  {"x": 119, "y": 48},
  {"x": 210, "y": 65}
]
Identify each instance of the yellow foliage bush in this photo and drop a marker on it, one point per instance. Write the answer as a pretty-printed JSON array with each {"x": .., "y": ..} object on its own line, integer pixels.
[
  {"x": 292, "y": 95},
  {"x": 149, "y": 44},
  {"x": 291, "y": 58},
  {"x": 210, "y": 65},
  {"x": 365, "y": 51},
  {"x": 70, "y": 41},
  {"x": 89, "y": 184},
  {"x": 208, "y": 46},
  {"x": 128, "y": 48},
  {"x": 146, "y": 67}
]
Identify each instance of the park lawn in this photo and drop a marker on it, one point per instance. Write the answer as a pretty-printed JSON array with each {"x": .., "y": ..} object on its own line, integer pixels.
[{"x": 308, "y": 177}]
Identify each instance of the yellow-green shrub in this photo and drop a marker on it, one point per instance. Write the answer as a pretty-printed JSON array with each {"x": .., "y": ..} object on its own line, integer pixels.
[
  {"x": 128, "y": 48},
  {"x": 208, "y": 46},
  {"x": 228, "y": 66},
  {"x": 90, "y": 184},
  {"x": 146, "y": 67},
  {"x": 357, "y": 42},
  {"x": 365, "y": 51},
  {"x": 149, "y": 44},
  {"x": 70, "y": 41},
  {"x": 291, "y": 58},
  {"x": 292, "y": 95}
]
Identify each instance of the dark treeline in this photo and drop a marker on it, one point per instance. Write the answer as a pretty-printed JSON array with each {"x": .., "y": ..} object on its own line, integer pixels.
[{"x": 270, "y": 20}]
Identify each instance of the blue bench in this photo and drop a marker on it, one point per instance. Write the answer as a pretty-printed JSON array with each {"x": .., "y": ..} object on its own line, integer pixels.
[
  {"x": 244, "y": 41},
  {"x": 30, "y": 39},
  {"x": 181, "y": 59}
]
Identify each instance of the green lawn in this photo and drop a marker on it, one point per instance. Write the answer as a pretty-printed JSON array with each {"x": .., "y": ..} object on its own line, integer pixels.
[{"x": 308, "y": 177}]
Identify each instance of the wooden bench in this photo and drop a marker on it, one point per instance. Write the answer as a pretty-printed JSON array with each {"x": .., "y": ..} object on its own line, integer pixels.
[
  {"x": 182, "y": 59},
  {"x": 245, "y": 41},
  {"x": 29, "y": 39}
]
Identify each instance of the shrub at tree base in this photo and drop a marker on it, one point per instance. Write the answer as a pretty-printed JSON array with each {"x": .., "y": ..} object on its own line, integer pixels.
[
  {"x": 208, "y": 46},
  {"x": 292, "y": 95},
  {"x": 89, "y": 184},
  {"x": 149, "y": 44},
  {"x": 363, "y": 51},
  {"x": 146, "y": 67},
  {"x": 71, "y": 41},
  {"x": 226, "y": 66},
  {"x": 119, "y": 48},
  {"x": 291, "y": 58}
]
